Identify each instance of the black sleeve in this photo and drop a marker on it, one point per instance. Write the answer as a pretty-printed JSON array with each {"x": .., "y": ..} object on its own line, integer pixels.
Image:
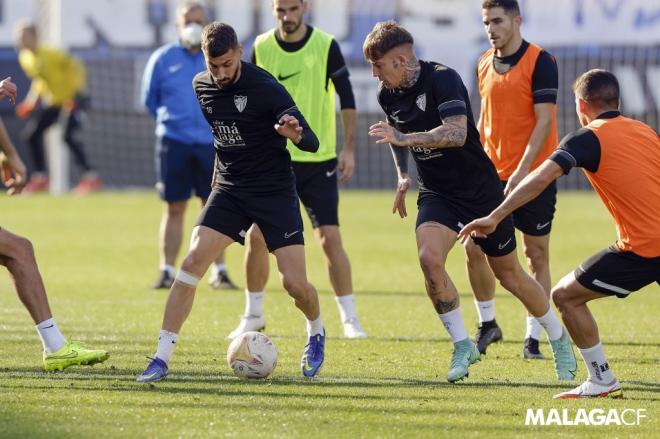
[
  {"x": 282, "y": 103},
  {"x": 580, "y": 149},
  {"x": 338, "y": 73},
  {"x": 545, "y": 79},
  {"x": 448, "y": 91}
]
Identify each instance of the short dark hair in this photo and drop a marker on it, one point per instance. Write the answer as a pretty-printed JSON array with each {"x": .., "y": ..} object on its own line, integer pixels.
[
  {"x": 598, "y": 87},
  {"x": 218, "y": 38},
  {"x": 510, "y": 6},
  {"x": 385, "y": 36}
]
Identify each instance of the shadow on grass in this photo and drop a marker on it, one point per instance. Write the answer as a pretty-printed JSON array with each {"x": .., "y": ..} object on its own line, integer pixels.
[{"x": 125, "y": 378}]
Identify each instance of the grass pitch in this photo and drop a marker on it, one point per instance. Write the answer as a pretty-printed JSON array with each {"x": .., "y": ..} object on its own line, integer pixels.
[{"x": 98, "y": 255}]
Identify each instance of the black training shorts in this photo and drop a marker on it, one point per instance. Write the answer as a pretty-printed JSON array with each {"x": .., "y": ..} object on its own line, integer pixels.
[
  {"x": 454, "y": 215},
  {"x": 535, "y": 218},
  {"x": 277, "y": 215},
  {"x": 617, "y": 273},
  {"x": 316, "y": 184}
]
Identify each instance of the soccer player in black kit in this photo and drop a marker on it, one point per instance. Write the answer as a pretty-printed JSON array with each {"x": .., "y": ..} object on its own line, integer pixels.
[
  {"x": 428, "y": 112},
  {"x": 251, "y": 116}
]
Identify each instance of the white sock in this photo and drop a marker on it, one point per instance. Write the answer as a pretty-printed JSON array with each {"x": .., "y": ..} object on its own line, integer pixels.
[
  {"x": 50, "y": 334},
  {"x": 534, "y": 328},
  {"x": 314, "y": 326},
  {"x": 171, "y": 271},
  {"x": 219, "y": 268},
  {"x": 346, "y": 305},
  {"x": 254, "y": 303},
  {"x": 551, "y": 325},
  {"x": 485, "y": 309},
  {"x": 166, "y": 342},
  {"x": 453, "y": 321},
  {"x": 599, "y": 370}
]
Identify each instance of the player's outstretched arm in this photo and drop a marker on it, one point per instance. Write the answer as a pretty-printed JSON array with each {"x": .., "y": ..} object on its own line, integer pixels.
[
  {"x": 527, "y": 190},
  {"x": 452, "y": 132}
]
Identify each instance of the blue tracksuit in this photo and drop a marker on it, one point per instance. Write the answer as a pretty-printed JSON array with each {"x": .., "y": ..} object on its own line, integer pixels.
[
  {"x": 184, "y": 151},
  {"x": 168, "y": 94}
]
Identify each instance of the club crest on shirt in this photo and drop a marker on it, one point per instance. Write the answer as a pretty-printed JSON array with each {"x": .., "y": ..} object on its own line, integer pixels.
[
  {"x": 421, "y": 101},
  {"x": 240, "y": 102}
]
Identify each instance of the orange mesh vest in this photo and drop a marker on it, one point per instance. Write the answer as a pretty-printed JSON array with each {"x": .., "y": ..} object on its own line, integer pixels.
[
  {"x": 628, "y": 181},
  {"x": 507, "y": 112}
]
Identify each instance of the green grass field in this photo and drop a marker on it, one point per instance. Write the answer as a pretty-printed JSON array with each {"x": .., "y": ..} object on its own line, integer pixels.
[{"x": 98, "y": 255}]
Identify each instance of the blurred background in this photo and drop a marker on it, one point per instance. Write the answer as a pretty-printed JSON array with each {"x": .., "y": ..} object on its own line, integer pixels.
[{"x": 114, "y": 38}]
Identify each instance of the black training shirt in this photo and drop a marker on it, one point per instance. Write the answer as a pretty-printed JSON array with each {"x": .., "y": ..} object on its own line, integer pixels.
[
  {"x": 250, "y": 155},
  {"x": 461, "y": 172}
]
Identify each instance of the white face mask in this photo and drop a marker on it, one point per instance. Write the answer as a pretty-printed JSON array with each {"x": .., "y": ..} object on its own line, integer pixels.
[{"x": 191, "y": 35}]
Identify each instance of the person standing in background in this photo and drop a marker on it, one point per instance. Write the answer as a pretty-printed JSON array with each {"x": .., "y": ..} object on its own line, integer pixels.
[{"x": 184, "y": 145}]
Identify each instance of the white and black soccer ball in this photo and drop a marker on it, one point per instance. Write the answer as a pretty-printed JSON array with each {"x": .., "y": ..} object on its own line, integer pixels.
[{"x": 252, "y": 355}]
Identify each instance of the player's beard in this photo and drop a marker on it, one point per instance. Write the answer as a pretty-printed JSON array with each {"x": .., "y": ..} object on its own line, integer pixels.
[
  {"x": 232, "y": 80},
  {"x": 290, "y": 27}
]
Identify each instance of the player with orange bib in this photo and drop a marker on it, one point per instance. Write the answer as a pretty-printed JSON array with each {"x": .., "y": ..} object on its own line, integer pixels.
[{"x": 621, "y": 158}]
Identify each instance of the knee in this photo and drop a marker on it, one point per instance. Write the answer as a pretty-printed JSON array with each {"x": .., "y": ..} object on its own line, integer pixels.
[
  {"x": 509, "y": 279},
  {"x": 330, "y": 243},
  {"x": 560, "y": 297},
  {"x": 474, "y": 254},
  {"x": 295, "y": 285},
  {"x": 431, "y": 263},
  {"x": 192, "y": 263},
  {"x": 537, "y": 257},
  {"x": 19, "y": 254},
  {"x": 176, "y": 209},
  {"x": 23, "y": 249},
  {"x": 255, "y": 239}
]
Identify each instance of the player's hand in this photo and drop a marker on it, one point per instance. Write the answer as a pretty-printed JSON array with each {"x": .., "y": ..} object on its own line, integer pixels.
[
  {"x": 289, "y": 127},
  {"x": 514, "y": 180},
  {"x": 25, "y": 109},
  {"x": 387, "y": 133},
  {"x": 400, "y": 198},
  {"x": 478, "y": 228},
  {"x": 8, "y": 90},
  {"x": 13, "y": 173},
  {"x": 346, "y": 165}
]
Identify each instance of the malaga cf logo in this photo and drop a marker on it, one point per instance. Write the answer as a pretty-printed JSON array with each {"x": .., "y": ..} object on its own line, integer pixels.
[
  {"x": 240, "y": 102},
  {"x": 421, "y": 101}
]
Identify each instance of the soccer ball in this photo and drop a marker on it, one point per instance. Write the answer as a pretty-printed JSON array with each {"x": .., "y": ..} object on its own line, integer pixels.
[{"x": 252, "y": 355}]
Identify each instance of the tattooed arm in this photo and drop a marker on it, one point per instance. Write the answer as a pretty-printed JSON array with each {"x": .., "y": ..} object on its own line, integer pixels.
[{"x": 452, "y": 132}]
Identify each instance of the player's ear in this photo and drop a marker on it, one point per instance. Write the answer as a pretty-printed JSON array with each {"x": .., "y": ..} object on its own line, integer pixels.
[
  {"x": 517, "y": 20},
  {"x": 582, "y": 105},
  {"x": 305, "y": 6},
  {"x": 402, "y": 59}
]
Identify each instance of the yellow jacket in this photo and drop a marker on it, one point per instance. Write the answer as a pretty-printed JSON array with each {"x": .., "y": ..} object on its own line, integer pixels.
[{"x": 56, "y": 75}]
